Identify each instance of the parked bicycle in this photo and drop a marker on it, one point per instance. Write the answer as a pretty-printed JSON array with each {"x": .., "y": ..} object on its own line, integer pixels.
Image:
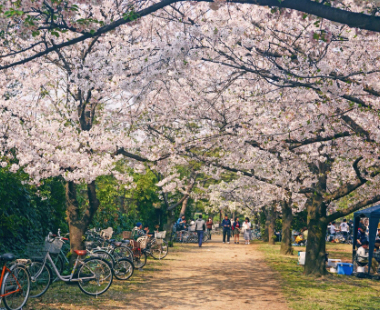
[
  {"x": 14, "y": 283},
  {"x": 156, "y": 246},
  {"x": 93, "y": 275}
]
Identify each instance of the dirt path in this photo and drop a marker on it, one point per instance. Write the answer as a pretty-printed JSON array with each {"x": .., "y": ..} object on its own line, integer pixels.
[{"x": 216, "y": 276}]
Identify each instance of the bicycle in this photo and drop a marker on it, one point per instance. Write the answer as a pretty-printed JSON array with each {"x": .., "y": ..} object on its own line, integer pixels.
[
  {"x": 14, "y": 283},
  {"x": 122, "y": 267},
  {"x": 156, "y": 247},
  {"x": 119, "y": 257},
  {"x": 93, "y": 275}
]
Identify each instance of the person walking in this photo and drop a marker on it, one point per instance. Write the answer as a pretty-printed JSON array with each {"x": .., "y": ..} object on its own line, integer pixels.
[
  {"x": 226, "y": 224},
  {"x": 236, "y": 227},
  {"x": 209, "y": 227},
  {"x": 247, "y": 230},
  {"x": 200, "y": 227}
]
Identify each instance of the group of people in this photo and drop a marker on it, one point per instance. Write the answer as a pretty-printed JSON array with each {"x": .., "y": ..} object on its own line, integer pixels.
[
  {"x": 236, "y": 228},
  {"x": 229, "y": 226},
  {"x": 345, "y": 228}
]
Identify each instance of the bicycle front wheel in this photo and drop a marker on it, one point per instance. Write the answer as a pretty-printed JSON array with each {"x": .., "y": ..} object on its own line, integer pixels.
[
  {"x": 159, "y": 251},
  {"x": 139, "y": 260},
  {"x": 123, "y": 269},
  {"x": 95, "y": 276},
  {"x": 123, "y": 252},
  {"x": 16, "y": 283},
  {"x": 41, "y": 277}
]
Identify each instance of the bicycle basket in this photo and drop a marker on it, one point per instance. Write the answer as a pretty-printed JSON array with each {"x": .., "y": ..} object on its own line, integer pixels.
[
  {"x": 53, "y": 247},
  {"x": 127, "y": 234},
  {"x": 106, "y": 233},
  {"x": 143, "y": 244},
  {"x": 160, "y": 235}
]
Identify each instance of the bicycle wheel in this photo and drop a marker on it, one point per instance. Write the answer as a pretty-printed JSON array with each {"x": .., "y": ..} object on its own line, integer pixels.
[
  {"x": 39, "y": 284},
  {"x": 159, "y": 251},
  {"x": 102, "y": 254},
  {"x": 123, "y": 252},
  {"x": 123, "y": 269},
  {"x": 205, "y": 238},
  {"x": 95, "y": 276},
  {"x": 16, "y": 283},
  {"x": 139, "y": 260}
]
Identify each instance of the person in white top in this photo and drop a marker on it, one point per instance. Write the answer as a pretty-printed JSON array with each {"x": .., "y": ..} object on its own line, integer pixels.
[
  {"x": 332, "y": 228},
  {"x": 344, "y": 228},
  {"x": 247, "y": 230}
]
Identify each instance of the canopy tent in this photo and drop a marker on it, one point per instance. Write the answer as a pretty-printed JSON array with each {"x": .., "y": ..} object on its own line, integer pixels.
[{"x": 373, "y": 214}]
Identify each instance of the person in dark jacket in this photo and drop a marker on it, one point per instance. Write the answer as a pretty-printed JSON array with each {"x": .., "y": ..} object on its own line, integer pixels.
[{"x": 226, "y": 224}]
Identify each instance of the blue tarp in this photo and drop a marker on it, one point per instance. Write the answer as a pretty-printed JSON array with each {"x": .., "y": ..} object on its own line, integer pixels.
[{"x": 373, "y": 214}]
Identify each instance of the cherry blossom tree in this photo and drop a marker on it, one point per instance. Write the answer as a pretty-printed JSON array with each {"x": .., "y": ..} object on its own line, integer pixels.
[{"x": 33, "y": 29}]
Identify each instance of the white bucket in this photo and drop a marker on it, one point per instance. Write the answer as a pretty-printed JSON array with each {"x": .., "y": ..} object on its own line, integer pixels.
[
  {"x": 360, "y": 269},
  {"x": 301, "y": 258},
  {"x": 333, "y": 270}
]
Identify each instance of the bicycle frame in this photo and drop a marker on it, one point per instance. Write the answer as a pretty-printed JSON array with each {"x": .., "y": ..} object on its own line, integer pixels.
[
  {"x": 6, "y": 269},
  {"x": 62, "y": 278}
]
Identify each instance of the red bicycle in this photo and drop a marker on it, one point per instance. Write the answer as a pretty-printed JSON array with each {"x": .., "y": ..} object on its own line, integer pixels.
[{"x": 14, "y": 283}]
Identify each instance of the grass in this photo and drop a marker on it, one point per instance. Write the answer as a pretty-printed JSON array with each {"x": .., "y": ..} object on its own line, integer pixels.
[{"x": 329, "y": 292}]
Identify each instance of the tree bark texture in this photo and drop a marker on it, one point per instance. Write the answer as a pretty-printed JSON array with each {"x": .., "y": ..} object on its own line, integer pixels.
[
  {"x": 316, "y": 240},
  {"x": 272, "y": 225},
  {"x": 287, "y": 217},
  {"x": 78, "y": 223}
]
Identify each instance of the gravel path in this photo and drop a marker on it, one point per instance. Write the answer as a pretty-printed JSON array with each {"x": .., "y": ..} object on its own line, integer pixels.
[{"x": 216, "y": 276}]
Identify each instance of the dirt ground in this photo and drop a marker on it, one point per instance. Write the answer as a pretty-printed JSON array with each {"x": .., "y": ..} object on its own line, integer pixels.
[{"x": 216, "y": 276}]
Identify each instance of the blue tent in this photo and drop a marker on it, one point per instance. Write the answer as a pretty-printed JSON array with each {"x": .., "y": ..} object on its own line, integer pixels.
[{"x": 373, "y": 214}]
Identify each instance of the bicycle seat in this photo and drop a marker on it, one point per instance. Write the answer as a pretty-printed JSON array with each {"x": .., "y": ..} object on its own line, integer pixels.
[
  {"x": 80, "y": 252},
  {"x": 8, "y": 257},
  {"x": 117, "y": 244}
]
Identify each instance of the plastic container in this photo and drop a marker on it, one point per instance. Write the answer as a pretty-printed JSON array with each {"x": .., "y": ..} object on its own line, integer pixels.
[
  {"x": 333, "y": 262},
  {"x": 301, "y": 258},
  {"x": 345, "y": 268}
]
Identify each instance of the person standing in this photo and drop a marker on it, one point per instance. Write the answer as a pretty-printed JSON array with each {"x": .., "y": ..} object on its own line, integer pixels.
[
  {"x": 226, "y": 224},
  {"x": 344, "y": 229},
  {"x": 247, "y": 230},
  {"x": 209, "y": 227},
  {"x": 236, "y": 226},
  {"x": 200, "y": 227}
]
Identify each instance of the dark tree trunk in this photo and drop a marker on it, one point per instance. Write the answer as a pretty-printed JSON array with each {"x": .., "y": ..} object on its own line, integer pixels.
[
  {"x": 287, "y": 217},
  {"x": 266, "y": 227},
  {"x": 272, "y": 225},
  {"x": 79, "y": 224},
  {"x": 316, "y": 240},
  {"x": 73, "y": 218}
]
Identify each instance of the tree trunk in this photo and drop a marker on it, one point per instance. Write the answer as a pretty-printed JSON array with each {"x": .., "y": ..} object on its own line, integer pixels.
[
  {"x": 316, "y": 240},
  {"x": 79, "y": 224},
  {"x": 286, "y": 240},
  {"x": 184, "y": 207},
  {"x": 272, "y": 225},
  {"x": 72, "y": 213},
  {"x": 266, "y": 227}
]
